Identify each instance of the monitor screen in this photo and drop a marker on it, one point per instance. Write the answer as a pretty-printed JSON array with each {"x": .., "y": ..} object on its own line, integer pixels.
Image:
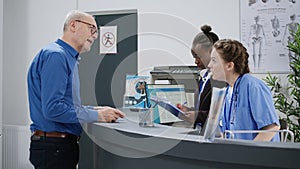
[{"x": 173, "y": 93}]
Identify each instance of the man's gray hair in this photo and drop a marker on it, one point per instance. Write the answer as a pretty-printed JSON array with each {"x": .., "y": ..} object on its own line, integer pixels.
[{"x": 74, "y": 15}]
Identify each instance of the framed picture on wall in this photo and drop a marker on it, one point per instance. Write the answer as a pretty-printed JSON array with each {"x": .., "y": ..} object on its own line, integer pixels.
[{"x": 265, "y": 31}]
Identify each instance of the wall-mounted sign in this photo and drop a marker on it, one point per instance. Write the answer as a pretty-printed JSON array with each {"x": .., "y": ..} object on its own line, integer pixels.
[{"x": 108, "y": 39}]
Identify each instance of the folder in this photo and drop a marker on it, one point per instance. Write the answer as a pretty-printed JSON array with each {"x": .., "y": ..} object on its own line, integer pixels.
[{"x": 167, "y": 106}]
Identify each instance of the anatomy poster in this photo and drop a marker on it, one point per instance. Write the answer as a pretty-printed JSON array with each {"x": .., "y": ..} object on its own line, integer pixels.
[{"x": 265, "y": 31}]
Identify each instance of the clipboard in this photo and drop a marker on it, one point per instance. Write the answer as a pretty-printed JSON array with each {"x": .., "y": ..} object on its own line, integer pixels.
[{"x": 167, "y": 106}]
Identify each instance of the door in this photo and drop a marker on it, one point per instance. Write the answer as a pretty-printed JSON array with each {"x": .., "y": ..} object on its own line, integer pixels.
[{"x": 102, "y": 76}]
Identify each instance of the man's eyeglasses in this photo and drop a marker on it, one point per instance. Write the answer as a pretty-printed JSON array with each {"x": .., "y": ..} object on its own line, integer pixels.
[{"x": 91, "y": 26}]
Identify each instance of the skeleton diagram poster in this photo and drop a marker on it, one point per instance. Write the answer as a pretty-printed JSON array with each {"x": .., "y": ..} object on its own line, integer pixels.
[{"x": 265, "y": 31}]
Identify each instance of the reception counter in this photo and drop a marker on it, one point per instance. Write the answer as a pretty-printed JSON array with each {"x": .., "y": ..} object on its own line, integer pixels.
[{"x": 125, "y": 145}]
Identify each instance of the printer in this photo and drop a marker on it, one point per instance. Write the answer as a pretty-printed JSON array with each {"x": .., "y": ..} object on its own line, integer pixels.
[{"x": 186, "y": 75}]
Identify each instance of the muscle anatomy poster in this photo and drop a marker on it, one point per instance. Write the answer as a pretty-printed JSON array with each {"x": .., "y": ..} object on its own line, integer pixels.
[{"x": 265, "y": 32}]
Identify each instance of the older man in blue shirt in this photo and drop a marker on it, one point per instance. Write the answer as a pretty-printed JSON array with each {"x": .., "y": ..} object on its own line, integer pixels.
[{"x": 54, "y": 96}]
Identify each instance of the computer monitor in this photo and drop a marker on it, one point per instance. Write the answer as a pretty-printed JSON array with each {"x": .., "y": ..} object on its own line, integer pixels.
[{"x": 173, "y": 93}]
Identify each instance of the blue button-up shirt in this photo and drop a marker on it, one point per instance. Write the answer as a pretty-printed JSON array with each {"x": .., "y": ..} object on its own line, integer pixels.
[{"x": 54, "y": 91}]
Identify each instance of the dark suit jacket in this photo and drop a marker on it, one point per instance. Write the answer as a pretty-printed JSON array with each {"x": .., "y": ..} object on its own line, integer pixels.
[
  {"x": 205, "y": 100},
  {"x": 203, "y": 109}
]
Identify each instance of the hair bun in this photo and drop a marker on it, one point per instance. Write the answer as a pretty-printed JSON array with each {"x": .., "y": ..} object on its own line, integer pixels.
[{"x": 205, "y": 29}]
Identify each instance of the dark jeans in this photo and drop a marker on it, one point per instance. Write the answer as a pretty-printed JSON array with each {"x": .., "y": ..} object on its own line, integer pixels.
[{"x": 54, "y": 153}]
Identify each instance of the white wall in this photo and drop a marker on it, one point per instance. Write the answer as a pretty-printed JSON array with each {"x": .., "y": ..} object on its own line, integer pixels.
[
  {"x": 28, "y": 26},
  {"x": 1, "y": 66},
  {"x": 166, "y": 28}
]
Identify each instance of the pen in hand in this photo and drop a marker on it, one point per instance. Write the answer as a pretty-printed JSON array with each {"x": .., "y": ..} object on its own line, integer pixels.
[{"x": 182, "y": 106}]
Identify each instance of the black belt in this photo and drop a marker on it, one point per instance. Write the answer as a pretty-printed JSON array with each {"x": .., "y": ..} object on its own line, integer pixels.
[{"x": 40, "y": 135}]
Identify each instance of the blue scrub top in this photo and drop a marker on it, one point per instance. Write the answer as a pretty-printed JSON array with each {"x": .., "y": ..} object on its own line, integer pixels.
[{"x": 251, "y": 107}]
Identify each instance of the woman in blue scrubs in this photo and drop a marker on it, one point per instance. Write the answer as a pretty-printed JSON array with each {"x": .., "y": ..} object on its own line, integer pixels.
[{"x": 248, "y": 103}]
